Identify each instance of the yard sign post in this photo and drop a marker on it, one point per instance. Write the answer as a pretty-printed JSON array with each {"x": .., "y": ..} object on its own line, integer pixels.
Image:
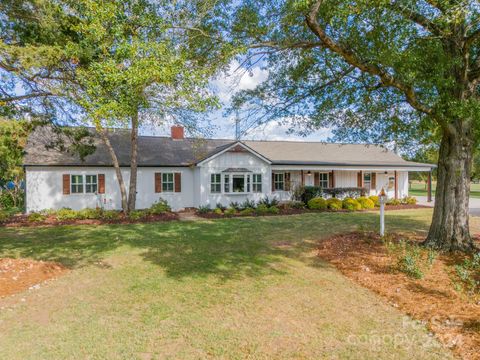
[{"x": 383, "y": 199}]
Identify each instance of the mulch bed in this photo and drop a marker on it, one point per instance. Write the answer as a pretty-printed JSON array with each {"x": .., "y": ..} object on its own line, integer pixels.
[
  {"x": 283, "y": 211},
  {"x": 21, "y": 220},
  {"x": 451, "y": 315},
  {"x": 17, "y": 275}
]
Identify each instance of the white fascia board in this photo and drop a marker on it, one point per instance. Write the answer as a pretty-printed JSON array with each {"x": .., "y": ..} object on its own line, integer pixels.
[
  {"x": 238, "y": 143},
  {"x": 348, "y": 168}
]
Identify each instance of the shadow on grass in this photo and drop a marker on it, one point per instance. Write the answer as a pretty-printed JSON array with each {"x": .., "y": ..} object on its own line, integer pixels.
[{"x": 227, "y": 248}]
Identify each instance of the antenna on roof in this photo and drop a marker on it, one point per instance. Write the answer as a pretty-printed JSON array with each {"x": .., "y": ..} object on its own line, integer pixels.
[{"x": 237, "y": 126}]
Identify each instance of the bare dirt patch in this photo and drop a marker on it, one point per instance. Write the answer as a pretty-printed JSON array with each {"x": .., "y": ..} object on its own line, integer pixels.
[
  {"x": 17, "y": 275},
  {"x": 452, "y": 315}
]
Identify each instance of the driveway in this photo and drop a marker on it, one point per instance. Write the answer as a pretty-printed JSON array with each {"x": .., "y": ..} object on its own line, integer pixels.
[{"x": 474, "y": 205}]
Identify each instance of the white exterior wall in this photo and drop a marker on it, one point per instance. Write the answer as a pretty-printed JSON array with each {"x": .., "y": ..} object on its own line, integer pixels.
[{"x": 44, "y": 188}]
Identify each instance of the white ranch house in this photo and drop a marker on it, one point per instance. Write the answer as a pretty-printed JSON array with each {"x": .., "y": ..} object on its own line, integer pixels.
[{"x": 190, "y": 172}]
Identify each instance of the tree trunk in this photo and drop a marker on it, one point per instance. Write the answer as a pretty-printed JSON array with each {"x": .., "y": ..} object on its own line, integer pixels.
[
  {"x": 449, "y": 229},
  {"x": 132, "y": 191},
  {"x": 118, "y": 171}
]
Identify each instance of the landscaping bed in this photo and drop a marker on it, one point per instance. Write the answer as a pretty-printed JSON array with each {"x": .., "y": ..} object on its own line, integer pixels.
[
  {"x": 425, "y": 285},
  {"x": 17, "y": 275}
]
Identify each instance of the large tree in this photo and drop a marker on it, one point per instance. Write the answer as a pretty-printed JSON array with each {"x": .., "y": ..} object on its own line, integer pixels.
[{"x": 378, "y": 71}]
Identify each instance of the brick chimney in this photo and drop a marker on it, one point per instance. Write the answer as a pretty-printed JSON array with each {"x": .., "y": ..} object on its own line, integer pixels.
[{"x": 177, "y": 132}]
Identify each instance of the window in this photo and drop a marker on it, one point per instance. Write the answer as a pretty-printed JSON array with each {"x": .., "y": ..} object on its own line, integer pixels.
[
  {"x": 226, "y": 181},
  {"x": 257, "y": 183},
  {"x": 391, "y": 182},
  {"x": 90, "y": 183},
  {"x": 215, "y": 183},
  {"x": 248, "y": 182},
  {"x": 367, "y": 180},
  {"x": 323, "y": 180},
  {"x": 278, "y": 181},
  {"x": 167, "y": 182},
  {"x": 238, "y": 183},
  {"x": 77, "y": 184}
]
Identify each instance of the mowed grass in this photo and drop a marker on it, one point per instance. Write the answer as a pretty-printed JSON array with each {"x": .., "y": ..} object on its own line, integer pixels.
[
  {"x": 232, "y": 289},
  {"x": 420, "y": 189}
]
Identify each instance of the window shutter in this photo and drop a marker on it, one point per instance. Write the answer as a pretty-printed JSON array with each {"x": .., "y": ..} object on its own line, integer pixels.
[
  {"x": 359, "y": 179},
  {"x": 101, "y": 183},
  {"x": 158, "y": 182},
  {"x": 178, "y": 182},
  {"x": 66, "y": 184},
  {"x": 374, "y": 181},
  {"x": 273, "y": 181},
  {"x": 316, "y": 179},
  {"x": 287, "y": 181},
  {"x": 330, "y": 180}
]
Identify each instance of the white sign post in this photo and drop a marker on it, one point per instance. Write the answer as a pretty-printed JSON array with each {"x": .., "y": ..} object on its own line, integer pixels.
[{"x": 383, "y": 199}]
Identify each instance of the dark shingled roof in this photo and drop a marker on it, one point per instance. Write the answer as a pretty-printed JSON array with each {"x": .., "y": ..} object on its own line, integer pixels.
[{"x": 163, "y": 151}]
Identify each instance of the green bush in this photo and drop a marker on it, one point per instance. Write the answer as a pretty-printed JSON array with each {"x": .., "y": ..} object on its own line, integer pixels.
[
  {"x": 366, "y": 203},
  {"x": 110, "y": 215},
  {"x": 294, "y": 204},
  {"x": 273, "y": 210},
  {"x": 204, "y": 209},
  {"x": 67, "y": 214},
  {"x": 262, "y": 209},
  {"x": 248, "y": 204},
  {"x": 36, "y": 217},
  {"x": 351, "y": 204},
  {"x": 469, "y": 273},
  {"x": 4, "y": 216},
  {"x": 409, "y": 200},
  {"x": 137, "y": 214},
  {"x": 409, "y": 263},
  {"x": 90, "y": 214},
  {"x": 268, "y": 202},
  {"x": 218, "y": 211},
  {"x": 334, "y": 204},
  {"x": 394, "y": 202},
  {"x": 230, "y": 211},
  {"x": 375, "y": 199},
  {"x": 247, "y": 212},
  {"x": 160, "y": 207},
  {"x": 317, "y": 203}
]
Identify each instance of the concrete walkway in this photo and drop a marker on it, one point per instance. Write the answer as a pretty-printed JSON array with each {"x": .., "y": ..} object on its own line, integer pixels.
[{"x": 474, "y": 205}]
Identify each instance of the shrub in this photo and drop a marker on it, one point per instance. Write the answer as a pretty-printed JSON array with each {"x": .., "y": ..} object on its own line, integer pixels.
[
  {"x": 36, "y": 217},
  {"x": 247, "y": 212},
  {"x": 409, "y": 262},
  {"x": 366, "y": 203},
  {"x": 262, "y": 209},
  {"x": 204, "y": 209},
  {"x": 351, "y": 204},
  {"x": 273, "y": 210},
  {"x": 4, "y": 216},
  {"x": 394, "y": 202},
  {"x": 293, "y": 204},
  {"x": 6, "y": 200},
  {"x": 310, "y": 192},
  {"x": 160, "y": 207},
  {"x": 268, "y": 202},
  {"x": 137, "y": 214},
  {"x": 344, "y": 192},
  {"x": 218, "y": 211},
  {"x": 409, "y": 200},
  {"x": 67, "y": 214},
  {"x": 248, "y": 204},
  {"x": 469, "y": 273},
  {"x": 317, "y": 203},
  {"x": 110, "y": 215},
  {"x": 235, "y": 205},
  {"x": 375, "y": 199},
  {"x": 220, "y": 206},
  {"x": 334, "y": 204},
  {"x": 230, "y": 211},
  {"x": 89, "y": 214}
]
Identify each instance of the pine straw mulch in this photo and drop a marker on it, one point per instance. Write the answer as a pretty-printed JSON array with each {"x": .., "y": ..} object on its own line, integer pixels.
[
  {"x": 452, "y": 316},
  {"x": 21, "y": 220},
  {"x": 17, "y": 275}
]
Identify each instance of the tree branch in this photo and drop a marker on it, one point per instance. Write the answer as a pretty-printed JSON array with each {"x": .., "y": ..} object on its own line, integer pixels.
[
  {"x": 416, "y": 18},
  {"x": 469, "y": 40},
  {"x": 372, "y": 69},
  {"x": 24, "y": 97}
]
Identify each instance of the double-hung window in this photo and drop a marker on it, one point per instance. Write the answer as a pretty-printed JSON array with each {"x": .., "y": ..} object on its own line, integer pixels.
[
  {"x": 76, "y": 184},
  {"x": 323, "y": 180},
  {"x": 167, "y": 182},
  {"x": 215, "y": 183},
  {"x": 257, "y": 183},
  {"x": 367, "y": 180},
  {"x": 91, "y": 183},
  {"x": 278, "y": 181},
  {"x": 226, "y": 183}
]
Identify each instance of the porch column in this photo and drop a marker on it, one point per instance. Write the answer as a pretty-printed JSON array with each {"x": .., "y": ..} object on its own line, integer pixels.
[
  {"x": 396, "y": 184},
  {"x": 302, "y": 179},
  {"x": 429, "y": 187},
  {"x": 333, "y": 178}
]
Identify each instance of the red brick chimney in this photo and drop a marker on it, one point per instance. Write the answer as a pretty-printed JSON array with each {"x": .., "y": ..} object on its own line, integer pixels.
[{"x": 177, "y": 132}]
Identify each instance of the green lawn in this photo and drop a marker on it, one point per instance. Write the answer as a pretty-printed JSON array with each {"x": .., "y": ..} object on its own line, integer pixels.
[
  {"x": 420, "y": 189},
  {"x": 231, "y": 289}
]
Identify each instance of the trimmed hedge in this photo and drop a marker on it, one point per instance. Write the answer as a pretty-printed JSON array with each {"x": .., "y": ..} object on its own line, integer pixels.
[
  {"x": 351, "y": 204},
  {"x": 366, "y": 203},
  {"x": 317, "y": 203},
  {"x": 375, "y": 199},
  {"x": 334, "y": 204}
]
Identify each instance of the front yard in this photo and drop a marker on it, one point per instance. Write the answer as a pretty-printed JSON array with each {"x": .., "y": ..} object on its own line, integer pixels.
[{"x": 230, "y": 288}]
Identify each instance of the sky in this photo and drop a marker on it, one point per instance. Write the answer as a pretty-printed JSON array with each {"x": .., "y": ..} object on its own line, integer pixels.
[{"x": 223, "y": 126}]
